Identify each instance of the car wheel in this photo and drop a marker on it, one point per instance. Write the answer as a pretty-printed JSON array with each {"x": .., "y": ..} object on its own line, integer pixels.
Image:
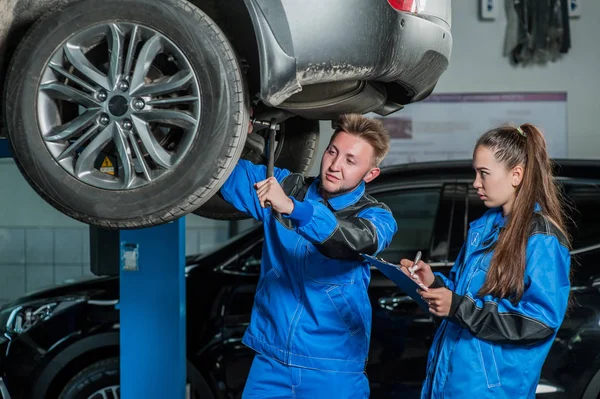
[
  {"x": 126, "y": 113},
  {"x": 101, "y": 380},
  {"x": 295, "y": 150}
]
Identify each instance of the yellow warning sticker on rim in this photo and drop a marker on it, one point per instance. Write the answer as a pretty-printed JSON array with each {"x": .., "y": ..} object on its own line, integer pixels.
[{"x": 107, "y": 167}]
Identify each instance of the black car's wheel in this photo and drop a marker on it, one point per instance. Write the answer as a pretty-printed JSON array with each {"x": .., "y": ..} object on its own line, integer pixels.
[
  {"x": 97, "y": 381},
  {"x": 101, "y": 380},
  {"x": 295, "y": 150},
  {"x": 126, "y": 113}
]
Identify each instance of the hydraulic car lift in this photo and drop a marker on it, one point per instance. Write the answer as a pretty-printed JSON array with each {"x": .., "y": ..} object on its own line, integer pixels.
[{"x": 152, "y": 304}]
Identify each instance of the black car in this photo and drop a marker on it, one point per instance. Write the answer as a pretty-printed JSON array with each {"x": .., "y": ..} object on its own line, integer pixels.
[
  {"x": 66, "y": 339},
  {"x": 131, "y": 113}
]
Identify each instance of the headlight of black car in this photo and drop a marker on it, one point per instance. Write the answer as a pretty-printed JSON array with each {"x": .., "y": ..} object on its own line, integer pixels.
[{"x": 15, "y": 320}]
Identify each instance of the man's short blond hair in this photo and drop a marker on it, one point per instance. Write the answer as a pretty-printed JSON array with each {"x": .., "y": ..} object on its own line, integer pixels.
[{"x": 370, "y": 130}]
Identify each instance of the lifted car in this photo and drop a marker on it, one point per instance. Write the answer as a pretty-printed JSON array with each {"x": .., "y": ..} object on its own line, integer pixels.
[{"x": 132, "y": 113}]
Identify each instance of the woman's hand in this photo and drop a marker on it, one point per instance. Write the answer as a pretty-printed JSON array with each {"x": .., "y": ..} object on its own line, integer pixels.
[
  {"x": 421, "y": 272},
  {"x": 438, "y": 299}
]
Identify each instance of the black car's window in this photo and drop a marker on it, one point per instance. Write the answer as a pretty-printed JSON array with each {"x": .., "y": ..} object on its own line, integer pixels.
[
  {"x": 415, "y": 211},
  {"x": 583, "y": 222},
  {"x": 458, "y": 233},
  {"x": 476, "y": 206},
  {"x": 449, "y": 233},
  {"x": 584, "y": 219},
  {"x": 584, "y": 268}
]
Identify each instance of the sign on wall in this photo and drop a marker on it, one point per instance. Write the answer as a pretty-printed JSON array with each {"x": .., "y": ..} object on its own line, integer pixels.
[{"x": 446, "y": 126}]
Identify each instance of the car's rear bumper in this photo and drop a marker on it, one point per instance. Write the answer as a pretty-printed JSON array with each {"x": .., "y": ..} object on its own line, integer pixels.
[
  {"x": 404, "y": 48},
  {"x": 382, "y": 45}
]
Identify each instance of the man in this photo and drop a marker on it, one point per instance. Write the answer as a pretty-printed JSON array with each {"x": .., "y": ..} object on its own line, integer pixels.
[{"x": 311, "y": 321}]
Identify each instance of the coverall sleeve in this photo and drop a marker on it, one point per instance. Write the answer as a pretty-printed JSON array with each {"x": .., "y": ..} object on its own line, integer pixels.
[
  {"x": 538, "y": 314},
  {"x": 239, "y": 190},
  {"x": 369, "y": 232},
  {"x": 441, "y": 281}
]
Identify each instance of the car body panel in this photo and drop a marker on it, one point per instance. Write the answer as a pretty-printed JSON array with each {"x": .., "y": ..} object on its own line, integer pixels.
[{"x": 384, "y": 45}]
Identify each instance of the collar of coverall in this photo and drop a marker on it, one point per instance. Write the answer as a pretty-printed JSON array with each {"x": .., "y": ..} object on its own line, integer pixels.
[
  {"x": 337, "y": 202},
  {"x": 496, "y": 217}
]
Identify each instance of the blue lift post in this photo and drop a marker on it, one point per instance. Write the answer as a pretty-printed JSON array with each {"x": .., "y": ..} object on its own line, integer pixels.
[
  {"x": 152, "y": 309},
  {"x": 152, "y": 312}
]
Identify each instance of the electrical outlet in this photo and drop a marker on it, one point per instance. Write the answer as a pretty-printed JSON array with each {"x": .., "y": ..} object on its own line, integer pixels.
[{"x": 488, "y": 9}]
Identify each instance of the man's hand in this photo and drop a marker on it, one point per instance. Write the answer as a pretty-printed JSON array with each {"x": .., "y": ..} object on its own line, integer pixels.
[
  {"x": 270, "y": 190},
  {"x": 439, "y": 300}
]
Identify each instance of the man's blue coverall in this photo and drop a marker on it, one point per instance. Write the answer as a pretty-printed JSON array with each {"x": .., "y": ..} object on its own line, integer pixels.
[{"x": 311, "y": 309}]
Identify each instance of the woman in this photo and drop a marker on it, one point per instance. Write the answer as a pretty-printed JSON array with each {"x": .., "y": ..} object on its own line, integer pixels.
[{"x": 507, "y": 294}]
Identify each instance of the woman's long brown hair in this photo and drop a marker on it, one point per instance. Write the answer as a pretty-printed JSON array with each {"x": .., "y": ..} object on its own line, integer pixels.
[{"x": 523, "y": 146}]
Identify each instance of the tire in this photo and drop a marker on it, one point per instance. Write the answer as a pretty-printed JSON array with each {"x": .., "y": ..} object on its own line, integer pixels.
[
  {"x": 296, "y": 154},
  {"x": 102, "y": 376},
  {"x": 186, "y": 157}
]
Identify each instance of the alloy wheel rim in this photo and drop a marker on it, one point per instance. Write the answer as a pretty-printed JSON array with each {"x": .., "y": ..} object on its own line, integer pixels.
[
  {"x": 114, "y": 392},
  {"x": 111, "y": 392},
  {"x": 118, "y": 105}
]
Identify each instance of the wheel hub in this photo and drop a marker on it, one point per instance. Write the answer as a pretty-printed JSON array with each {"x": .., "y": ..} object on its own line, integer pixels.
[{"x": 117, "y": 106}]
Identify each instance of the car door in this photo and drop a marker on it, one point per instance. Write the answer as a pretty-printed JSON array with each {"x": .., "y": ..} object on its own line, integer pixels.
[
  {"x": 573, "y": 361},
  {"x": 235, "y": 358},
  {"x": 432, "y": 220}
]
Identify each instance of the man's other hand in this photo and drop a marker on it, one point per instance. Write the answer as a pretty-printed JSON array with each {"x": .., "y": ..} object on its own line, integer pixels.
[{"x": 270, "y": 190}]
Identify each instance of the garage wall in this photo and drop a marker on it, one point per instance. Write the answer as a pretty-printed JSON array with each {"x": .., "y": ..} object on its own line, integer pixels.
[{"x": 477, "y": 65}]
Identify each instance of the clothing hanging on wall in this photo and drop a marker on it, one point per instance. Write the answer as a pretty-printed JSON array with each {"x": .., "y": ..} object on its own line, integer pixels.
[{"x": 537, "y": 31}]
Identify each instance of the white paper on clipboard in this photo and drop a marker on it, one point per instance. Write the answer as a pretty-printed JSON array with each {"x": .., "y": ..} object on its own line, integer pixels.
[{"x": 393, "y": 272}]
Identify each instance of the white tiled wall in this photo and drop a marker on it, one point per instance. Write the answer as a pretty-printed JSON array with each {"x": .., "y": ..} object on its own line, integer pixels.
[{"x": 33, "y": 258}]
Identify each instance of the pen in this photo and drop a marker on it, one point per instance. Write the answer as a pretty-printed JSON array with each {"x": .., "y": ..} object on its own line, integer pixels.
[{"x": 412, "y": 268}]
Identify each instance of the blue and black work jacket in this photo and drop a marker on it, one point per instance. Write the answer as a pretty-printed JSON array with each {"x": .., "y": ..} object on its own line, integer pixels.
[
  {"x": 492, "y": 347},
  {"x": 311, "y": 307}
]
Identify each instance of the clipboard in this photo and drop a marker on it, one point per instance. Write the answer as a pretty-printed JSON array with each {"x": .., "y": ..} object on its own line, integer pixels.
[{"x": 393, "y": 272}]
